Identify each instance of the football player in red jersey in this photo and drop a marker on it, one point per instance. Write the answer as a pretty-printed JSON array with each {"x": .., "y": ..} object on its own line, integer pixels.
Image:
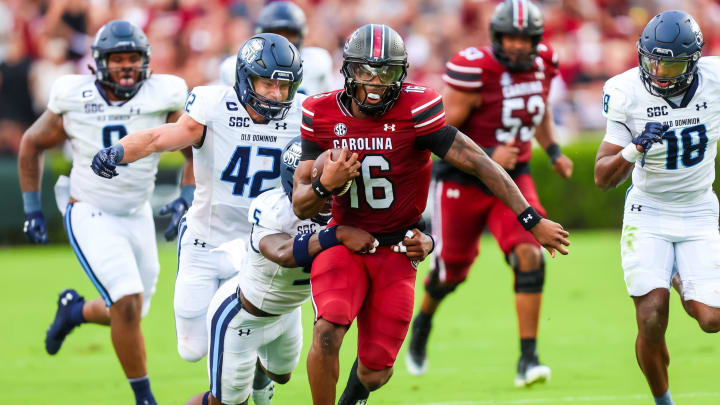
[
  {"x": 387, "y": 129},
  {"x": 498, "y": 96}
]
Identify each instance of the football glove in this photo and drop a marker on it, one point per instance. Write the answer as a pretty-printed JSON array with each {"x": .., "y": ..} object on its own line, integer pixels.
[
  {"x": 652, "y": 134},
  {"x": 35, "y": 227},
  {"x": 177, "y": 207},
  {"x": 105, "y": 161}
]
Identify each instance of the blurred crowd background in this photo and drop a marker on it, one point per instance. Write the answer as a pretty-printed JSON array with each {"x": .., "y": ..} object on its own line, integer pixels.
[{"x": 41, "y": 40}]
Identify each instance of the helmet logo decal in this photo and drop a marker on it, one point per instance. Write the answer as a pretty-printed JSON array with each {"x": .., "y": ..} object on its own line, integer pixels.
[
  {"x": 340, "y": 129},
  {"x": 663, "y": 51},
  {"x": 291, "y": 157},
  {"x": 251, "y": 51},
  {"x": 282, "y": 75}
]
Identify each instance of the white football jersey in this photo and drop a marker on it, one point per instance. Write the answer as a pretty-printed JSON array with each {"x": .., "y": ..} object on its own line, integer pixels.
[
  {"x": 317, "y": 67},
  {"x": 237, "y": 160},
  {"x": 266, "y": 284},
  {"x": 682, "y": 168},
  {"x": 93, "y": 123}
]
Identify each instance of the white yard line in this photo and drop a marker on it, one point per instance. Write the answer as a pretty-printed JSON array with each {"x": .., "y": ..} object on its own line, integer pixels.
[{"x": 598, "y": 398}]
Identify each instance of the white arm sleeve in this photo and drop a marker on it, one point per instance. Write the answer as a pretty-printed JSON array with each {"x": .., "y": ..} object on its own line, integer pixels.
[{"x": 617, "y": 133}]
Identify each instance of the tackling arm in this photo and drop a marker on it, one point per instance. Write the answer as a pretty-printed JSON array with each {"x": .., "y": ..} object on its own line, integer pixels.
[
  {"x": 167, "y": 137},
  {"x": 45, "y": 133},
  {"x": 611, "y": 169},
  {"x": 470, "y": 158}
]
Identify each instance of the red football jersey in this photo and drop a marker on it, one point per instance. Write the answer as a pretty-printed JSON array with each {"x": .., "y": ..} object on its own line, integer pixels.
[
  {"x": 391, "y": 192},
  {"x": 513, "y": 104}
]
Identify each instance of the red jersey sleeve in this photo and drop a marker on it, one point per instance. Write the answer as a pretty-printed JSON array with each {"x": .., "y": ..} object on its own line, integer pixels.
[
  {"x": 550, "y": 58},
  {"x": 464, "y": 70},
  {"x": 308, "y": 113},
  {"x": 426, "y": 109}
]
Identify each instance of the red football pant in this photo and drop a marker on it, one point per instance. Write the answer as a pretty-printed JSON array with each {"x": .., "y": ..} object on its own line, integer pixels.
[
  {"x": 461, "y": 214},
  {"x": 378, "y": 289}
]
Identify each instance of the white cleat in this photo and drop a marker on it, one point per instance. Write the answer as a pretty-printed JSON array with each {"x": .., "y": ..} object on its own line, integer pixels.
[
  {"x": 531, "y": 372},
  {"x": 264, "y": 396},
  {"x": 415, "y": 366}
]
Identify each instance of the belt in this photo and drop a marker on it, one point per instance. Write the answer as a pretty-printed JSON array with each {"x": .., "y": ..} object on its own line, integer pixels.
[
  {"x": 249, "y": 307},
  {"x": 393, "y": 238}
]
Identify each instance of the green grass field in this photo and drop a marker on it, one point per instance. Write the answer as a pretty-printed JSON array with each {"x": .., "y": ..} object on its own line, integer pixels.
[{"x": 587, "y": 337}]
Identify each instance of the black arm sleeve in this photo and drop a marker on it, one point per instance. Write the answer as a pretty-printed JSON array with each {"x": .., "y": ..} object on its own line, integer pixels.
[
  {"x": 310, "y": 150},
  {"x": 437, "y": 142}
]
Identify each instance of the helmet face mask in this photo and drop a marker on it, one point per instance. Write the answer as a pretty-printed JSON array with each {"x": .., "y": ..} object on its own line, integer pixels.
[
  {"x": 374, "y": 66},
  {"x": 668, "y": 51},
  {"x": 264, "y": 62},
  {"x": 118, "y": 37}
]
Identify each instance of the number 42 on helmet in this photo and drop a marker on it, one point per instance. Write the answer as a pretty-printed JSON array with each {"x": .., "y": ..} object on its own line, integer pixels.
[{"x": 319, "y": 164}]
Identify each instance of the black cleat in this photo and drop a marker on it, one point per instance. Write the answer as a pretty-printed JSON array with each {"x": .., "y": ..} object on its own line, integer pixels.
[
  {"x": 62, "y": 325},
  {"x": 415, "y": 359}
]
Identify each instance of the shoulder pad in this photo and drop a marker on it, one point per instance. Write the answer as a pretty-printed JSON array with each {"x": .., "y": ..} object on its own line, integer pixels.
[
  {"x": 464, "y": 70},
  {"x": 269, "y": 211},
  {"x": 66, "y": 92},
  {"x": 615, "y": 100}
]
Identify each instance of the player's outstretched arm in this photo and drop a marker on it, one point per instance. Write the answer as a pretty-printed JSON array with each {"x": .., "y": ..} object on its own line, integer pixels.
[
  {"x": 545, "y": 135},
  {"x": 308, "y": 196},
  {"x": 467, "y": 156},
  {"x": 287, "y": 251},
  {"x": 46, "y": 132},
  {"x": 168, "y": 137}
]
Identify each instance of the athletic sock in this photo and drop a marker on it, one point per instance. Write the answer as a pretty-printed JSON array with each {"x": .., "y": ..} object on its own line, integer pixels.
[
  {"x": 664, "y": 399},
  {"x": 423, "y": 320},
  {"x": 206, "y": 398},
  {"x": 76, "y": 314},
  {"x": 143, "y": 393},
  {"x": 354, "y": 390},
  {"x": 261, "y": 380},
  {"x": 528, "y": 347}
]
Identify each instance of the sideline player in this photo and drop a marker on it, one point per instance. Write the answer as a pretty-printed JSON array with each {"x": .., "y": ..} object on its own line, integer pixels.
[
  {"x": 287, "y": 19},
  {"x": 109, "y": 224},
  {"x": 663, "y": 121},
  {"x": 387, "y": 129},
  {"x": 237, "y": 134},
  {"x": 272, "y": 284},
  {"x": 498, "y": 96}
]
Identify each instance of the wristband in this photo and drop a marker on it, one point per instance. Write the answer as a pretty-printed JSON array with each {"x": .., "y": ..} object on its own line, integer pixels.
[
  {"x": 187, "y": 193},
  {"x": 630, "y": 153},
  {"x": 31, "y": 201},
  {"x": 328, "y": 238},
  {"x": 433, "y": 241},
  {"x": 118, "y": 153},
  {"x": 319, "y": 189},
  {"x": 529, "y": 218},
  {"x": 300, "y": 249},
  {"x": 553, "y": 151}
]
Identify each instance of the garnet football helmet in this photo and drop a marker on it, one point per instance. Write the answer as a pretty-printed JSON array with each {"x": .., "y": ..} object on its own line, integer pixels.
[
  {"x": 120, "y": 36},
  {"x": 516, "y": 17},
  {"x": 668, "y": 51},
  {"x": 374, "y": 50}
]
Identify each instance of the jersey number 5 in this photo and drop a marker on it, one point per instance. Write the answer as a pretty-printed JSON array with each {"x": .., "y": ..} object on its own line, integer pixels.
[
  {"x": 379, "y": 191},
  {"x": 512, "y": 125}
]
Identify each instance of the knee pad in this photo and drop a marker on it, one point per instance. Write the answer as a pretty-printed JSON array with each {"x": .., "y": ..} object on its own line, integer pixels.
[
  {"x": 192, "y": 338},
  {"x": 528, "y": 281},
  {"x": 435, "y": 289}
]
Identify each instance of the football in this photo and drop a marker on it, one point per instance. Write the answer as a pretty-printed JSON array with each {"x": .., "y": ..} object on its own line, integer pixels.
[{"x": 319, "y": 164}]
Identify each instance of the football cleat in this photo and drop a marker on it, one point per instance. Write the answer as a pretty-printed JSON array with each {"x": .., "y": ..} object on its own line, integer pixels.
[
  {"x": 62, "y": 325},
  {"x": 530, "y": 371},
  {"x": 415, "y": 358},
  {"x": 263, "y": 396}
]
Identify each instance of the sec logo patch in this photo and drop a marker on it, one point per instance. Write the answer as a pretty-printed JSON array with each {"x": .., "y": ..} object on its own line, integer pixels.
[{"x": 340, "y": 129}]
